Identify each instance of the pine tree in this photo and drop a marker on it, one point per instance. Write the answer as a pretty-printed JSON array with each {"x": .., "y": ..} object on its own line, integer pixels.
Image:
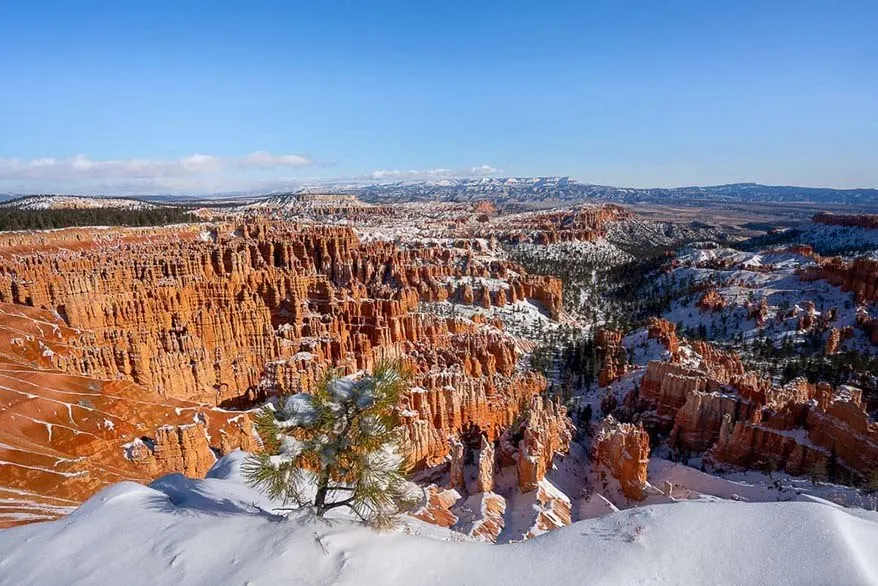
[{"x": 344, "y": 440}]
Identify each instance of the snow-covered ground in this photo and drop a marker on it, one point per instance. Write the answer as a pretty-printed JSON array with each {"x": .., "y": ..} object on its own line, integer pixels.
[
  {"x": 218, "y": 531},
  {"x": 830, "y": 240},
  {"x": 740, "y": 278},
  {"x": 74, "y": 202}
]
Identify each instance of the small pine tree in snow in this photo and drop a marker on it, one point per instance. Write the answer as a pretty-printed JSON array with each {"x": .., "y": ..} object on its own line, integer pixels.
[{"x": 337, "y": 447}]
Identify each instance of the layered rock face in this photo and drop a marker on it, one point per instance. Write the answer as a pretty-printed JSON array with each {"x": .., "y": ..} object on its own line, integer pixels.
[
  {"x": 739, "y": 418},
  {"x": 623, "y": 450},
  {"x": 227, "y": 315},
  {"x": 582, "y": 223},
  {"x": 818, "y": 430},
  {"x": 65, "y": 436},
  {"x": 200, "y": 319},
  {"x": 859, "y": 276},
  {"x": 868, "y": 221}
]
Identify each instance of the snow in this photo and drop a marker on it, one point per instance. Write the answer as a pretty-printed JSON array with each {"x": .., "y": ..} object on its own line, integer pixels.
[
  {"x": 57, "y": 202},
  {"x": 219, "y": 531},
  {"x": 298, "y": 411}
]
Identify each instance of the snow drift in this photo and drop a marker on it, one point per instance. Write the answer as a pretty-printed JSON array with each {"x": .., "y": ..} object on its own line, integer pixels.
[{"x": 219, "y": 531}]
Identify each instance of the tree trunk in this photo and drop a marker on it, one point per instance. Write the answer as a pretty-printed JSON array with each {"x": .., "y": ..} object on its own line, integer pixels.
[{"x": 320, "y": 497}]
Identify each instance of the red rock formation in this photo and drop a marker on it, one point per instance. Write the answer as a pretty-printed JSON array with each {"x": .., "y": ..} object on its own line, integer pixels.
[
  {"x": 833, "y": 341},
  {"x": 711, "y": 301},
  {"x": 666, "y": 387},
  {"x": 229, "y": 314},
  {"x": 553, "y": 510},
  {"x": 859, "y": 276},
  {"x": 436, "y": 506},
  {"x": 801, "y": 249},
  {"x": 63, "y": 437},
  {"x": 547, "y": 431},
  {"x": 491, "y": 507},
  {"x": 183, "y": 448},
  {"x": 698, "y": 423},
  {"x": 665, "y": 332},
  {"x": 741, "y": 419},
  {"x": 623, "y": 450},
  {"x": 485, "y": 478},
  {"x": 583, "y": 223},
  {"x": 758, "y": 311},
  {"x": 609, "y": 346},
  {"x": 458, "y": 453},
  {"x": 868, "y": 221}
]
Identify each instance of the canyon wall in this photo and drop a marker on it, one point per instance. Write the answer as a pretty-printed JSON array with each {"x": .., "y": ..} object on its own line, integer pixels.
[
  {"x": 712, "y": 405},
  {"x": 859, "y": 276},
  {"x": 199, "y": 320},
  {"x": 868, "y": 221}
]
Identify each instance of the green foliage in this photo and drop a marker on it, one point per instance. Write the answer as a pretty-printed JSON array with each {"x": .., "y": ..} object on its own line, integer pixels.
[
  {"x": 624, "y": 295},
  {"x": 343, "y": 441},
  {"x": 19, "y": 219}
]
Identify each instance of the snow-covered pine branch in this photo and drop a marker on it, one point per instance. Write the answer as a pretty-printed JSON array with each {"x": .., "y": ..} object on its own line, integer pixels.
[{"x": 337, "y": 447}]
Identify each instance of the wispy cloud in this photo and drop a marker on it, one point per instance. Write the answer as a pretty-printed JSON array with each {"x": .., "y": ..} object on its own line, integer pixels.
[
  {"x": 200, "y": 173},
  {"x": 197, "y": 172},
  {"x": 430, "y": 174}
]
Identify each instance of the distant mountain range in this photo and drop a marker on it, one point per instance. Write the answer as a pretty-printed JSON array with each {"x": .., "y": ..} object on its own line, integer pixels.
[
  {"x": 545, "y": 191},
  {"x": 564, "y": 189}
]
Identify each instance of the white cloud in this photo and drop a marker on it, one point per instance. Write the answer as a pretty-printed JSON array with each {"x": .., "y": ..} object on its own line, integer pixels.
[
  {"x": 198, "y": 172},
  {"x": 483, "y": 170},
  {"x": 429, "y": 174},
  {"x": 266, "y": 159}
]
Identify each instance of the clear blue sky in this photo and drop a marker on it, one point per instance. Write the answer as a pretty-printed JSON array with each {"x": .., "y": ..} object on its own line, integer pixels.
[{"x": 121, "y": 95}]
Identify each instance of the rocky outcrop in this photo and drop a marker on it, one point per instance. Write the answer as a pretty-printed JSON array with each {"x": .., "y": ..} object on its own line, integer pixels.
[
  {"x": 867, "y": 221},
  {"x": 666, "y": 387},
  {"x": 698, "y": 423},
  {"x": 803, "y": 428},
  {"x": 835, "y": 337},
  {"x": 711, "y": 301},
  {"x": 458, "y": 453},
  {"x": 485, "y": 478},
  {"x": 184, "y": 449},
  {"x": 757, "y": 311},
  {"x": 553, "y": 510},
  {"x": 584, "y": 223},
  {"x": 436, "y": 506},
  {"x": 741, "y": 419},
  {"x": 547, "y": 431},
  {"x": 859, "y": 276},
  {"x": 622, "y": 449},
  {"x": 490, "y": 520},
  {"x": 665, "y": 332},
  {"x": 610, "y": 348}
]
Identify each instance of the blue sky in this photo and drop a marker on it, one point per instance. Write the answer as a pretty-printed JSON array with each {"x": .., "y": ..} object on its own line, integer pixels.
[{"x": 178, "y": 96}]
